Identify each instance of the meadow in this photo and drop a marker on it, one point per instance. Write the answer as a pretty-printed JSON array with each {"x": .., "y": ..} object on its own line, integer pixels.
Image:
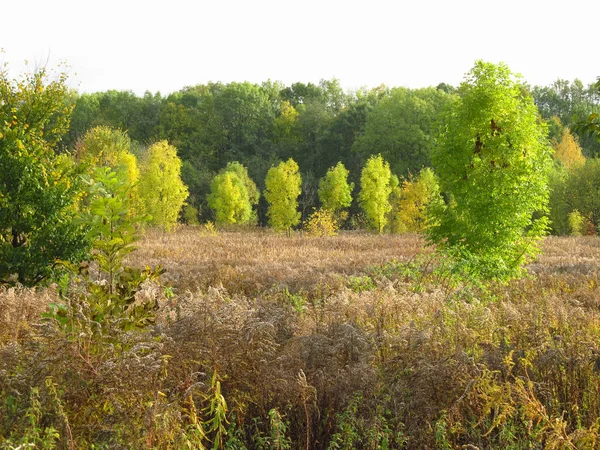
[{"x": 356, "y": 341}]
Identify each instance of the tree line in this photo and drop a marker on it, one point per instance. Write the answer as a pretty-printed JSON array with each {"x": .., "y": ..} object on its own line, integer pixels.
[{"x": 317, "y": 125}]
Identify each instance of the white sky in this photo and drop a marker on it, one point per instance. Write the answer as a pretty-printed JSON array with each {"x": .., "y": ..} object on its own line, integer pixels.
[{"x": 166, "y": 45}]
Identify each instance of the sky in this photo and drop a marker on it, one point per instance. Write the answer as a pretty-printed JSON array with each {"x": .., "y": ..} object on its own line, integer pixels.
[{"x": 167, "y": 45}]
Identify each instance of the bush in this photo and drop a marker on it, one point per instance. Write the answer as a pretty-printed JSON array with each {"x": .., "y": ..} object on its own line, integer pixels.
[{"x": 322, "y": 222}]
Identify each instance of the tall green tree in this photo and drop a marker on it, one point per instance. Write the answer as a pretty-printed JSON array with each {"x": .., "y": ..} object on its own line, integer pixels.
[
  {"x": 283, "y": 187},
  {"x": 335, "y": 193},
  {"x": 161, "y": 190},
  {"x": 492, "y": 160},
  {"x": 377, "y": 183},
  {"x": 38, "y": 188}
]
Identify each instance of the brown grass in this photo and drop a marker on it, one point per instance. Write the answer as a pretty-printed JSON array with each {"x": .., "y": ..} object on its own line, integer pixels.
[
  {"x": 513, "y": 366},
  {"x": 251, "y": 262}
]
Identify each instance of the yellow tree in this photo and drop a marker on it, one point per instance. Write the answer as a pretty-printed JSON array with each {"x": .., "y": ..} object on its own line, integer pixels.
[
  {"x": 108, "y": 147},
  {"x": 410, "y": 210},
  {"x": 377, "y": 183},
  {"x": 335, "y": 192},
  {"x": 568, "y": 151},
  {"x": 286, "y": 122},
  {"x": 283, "y": 187},
  {"x": 161, "y": 190},
  {"x": 229, "y": 198}
]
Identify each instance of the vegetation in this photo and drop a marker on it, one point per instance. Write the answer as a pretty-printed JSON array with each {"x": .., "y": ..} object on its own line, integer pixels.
[
  {"x": 232, "y": 195},
  {"x": 275, "y": 330},
  {"x": 492, "y": 161},
  {"x": 39, "y": 188},
  {"x": 111, "y": 148},
  {"x": 377, "y": 183},
  {"x": 335, "y": 193},
  {"x": 329, "y": 338},
  {"x": 282, "y": 190},
  {"x": 414, "y": 200},
  {"x": 161, "y": 190}
]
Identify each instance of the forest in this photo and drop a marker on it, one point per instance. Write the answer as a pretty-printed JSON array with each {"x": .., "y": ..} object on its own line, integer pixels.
[{"x": 244, "y": 266}]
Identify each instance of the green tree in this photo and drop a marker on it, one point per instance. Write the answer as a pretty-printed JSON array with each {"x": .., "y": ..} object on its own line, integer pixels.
[
  {"x": 401, "y": 128},
  {"x": 161, "y": 190},
  {"x": 377, "y": 183},
  {"x": 570, "y": 101},
  {"x": 229, "y": 199},
  {"x": 38, "y": 188},
  {"x": 335, "y": 193},
  {"x": 283, "y": 187},
  {"x": 591, "y": 124},
  {"x": 492, "y": 160},
  {"x": 583, "y": 191}
]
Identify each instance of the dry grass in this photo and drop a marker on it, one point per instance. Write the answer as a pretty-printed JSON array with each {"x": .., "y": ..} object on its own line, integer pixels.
[
  {"x": 571, "y": 255},
  {"x": 251, "y": 262},
  {"x": 513, "y": 366},
  {"x": 21, "y": 307}
]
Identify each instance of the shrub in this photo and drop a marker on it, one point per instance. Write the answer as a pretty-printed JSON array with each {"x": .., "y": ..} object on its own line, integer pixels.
[{"x": 322, "y": 222}]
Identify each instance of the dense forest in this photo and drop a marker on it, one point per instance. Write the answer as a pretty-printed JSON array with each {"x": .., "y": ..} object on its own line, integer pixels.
[{"x": 318, "y": 125}]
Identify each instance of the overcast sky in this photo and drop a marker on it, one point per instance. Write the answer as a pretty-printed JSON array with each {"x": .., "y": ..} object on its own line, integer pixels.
[{"x": 164, "y": 46}]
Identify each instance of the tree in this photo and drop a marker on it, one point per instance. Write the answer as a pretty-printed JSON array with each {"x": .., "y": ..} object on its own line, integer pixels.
[
  {"x": 559, "y": 205},
  {"x": 104, "y": 146},
  {"x": 591, "y": 125},
  {"x": 283, "y": 187},
  {"x": 161, "y": 190},
  {"x": 335, "y": 192},
  {"x": 38, "y": 188},
  {"x": 401, "y": 128},
  {"x": 229, "y": 198},
  {"x": 568, "y": 151},
  {"x": 411, "y": 208},
  {"x": 377, "y": 183},
  {"x": 492, "y": 160},
  {"x": 570, "y": 101},
  {"x": 583, "y": 191},
  {"x": 242, "y": 173}
]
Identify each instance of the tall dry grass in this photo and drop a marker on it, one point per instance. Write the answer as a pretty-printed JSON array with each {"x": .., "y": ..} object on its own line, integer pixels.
[
  {"x": 251, "y": 262},
  {"x": 345, "y": 357}
]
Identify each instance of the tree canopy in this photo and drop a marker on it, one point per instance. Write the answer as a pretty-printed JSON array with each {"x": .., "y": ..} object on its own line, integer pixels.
[
  {"x": 492, "y": 160},
  {"x": 39, "y": 188}
]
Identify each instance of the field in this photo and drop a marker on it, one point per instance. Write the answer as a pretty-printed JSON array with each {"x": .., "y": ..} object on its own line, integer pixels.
[{"x": 353, "y": 341}]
